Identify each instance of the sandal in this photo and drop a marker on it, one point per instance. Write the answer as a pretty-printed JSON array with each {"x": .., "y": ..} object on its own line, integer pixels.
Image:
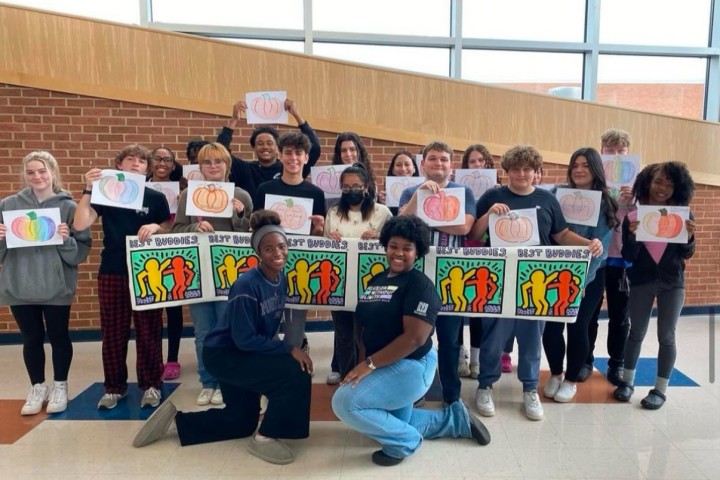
[
  {"x": 654, "y": 400},
  {"x": 171, "y": 371},
  {"x": 623, "y": 392}
]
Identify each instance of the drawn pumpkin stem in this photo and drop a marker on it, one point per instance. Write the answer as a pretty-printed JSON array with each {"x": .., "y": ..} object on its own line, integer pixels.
[
  {"x": 32, "y": 215},
  {"x": 120, "y": 177},
  {"x": 289, "y": 202}
]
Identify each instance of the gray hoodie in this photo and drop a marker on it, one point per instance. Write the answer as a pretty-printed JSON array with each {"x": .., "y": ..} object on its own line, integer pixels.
[{"x": 44, "y": 275}]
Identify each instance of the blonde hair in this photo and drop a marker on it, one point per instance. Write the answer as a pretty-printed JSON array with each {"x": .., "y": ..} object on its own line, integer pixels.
[
  {"x": 50, "y": 164},
  {"x": 615, "y": 137},
  {"x": 215, "y": 150}
]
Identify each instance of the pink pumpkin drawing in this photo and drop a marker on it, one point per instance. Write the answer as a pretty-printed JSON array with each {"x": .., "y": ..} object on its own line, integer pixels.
[
  {"x": 478, "y": 183},
  {"x": 267, "y": 107},
  {"x": 577, "y": 207},
  {"x": 329, "y": 181}
]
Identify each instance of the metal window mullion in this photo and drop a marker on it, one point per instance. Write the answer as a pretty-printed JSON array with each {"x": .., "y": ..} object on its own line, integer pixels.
[
  {"x": 592, "y": 55},
  {"x": 308, "y": 26},
  {"x": 456, "y": 14},
  {"x": 712, "y": 86},
  {"x": 145, "y": 7}
]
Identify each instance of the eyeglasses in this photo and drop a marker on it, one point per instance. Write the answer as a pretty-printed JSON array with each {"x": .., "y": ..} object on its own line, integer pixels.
[
  {"x": 353, "y": 189},
  {"x": 213, "y": 161},
  {"x": 163, "y": 159}
]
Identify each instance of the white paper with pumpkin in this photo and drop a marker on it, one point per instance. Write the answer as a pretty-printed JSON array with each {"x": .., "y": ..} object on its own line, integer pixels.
[
  {"x": 119, "y": 189},
  {"x": 517, "y": 228},
  {"x": 294, "y": 212},
  {"x": 581, "y": 207},
  {"x": 171, "y": 190},
  {"x": 662, "y": 223},
  {"x": 266, "y": 107},
  {"x": 327, "y": 178},
  {"x": 192, "y": 172},
  {"x": 394, "y": 187},
  {"x": 32, "y": 228},
  {"x": 480, "y": 180},
  {"x": 210, "y": 199},
  {"x": 443, "y": 209},
  {"x": 620, "y": 170}
]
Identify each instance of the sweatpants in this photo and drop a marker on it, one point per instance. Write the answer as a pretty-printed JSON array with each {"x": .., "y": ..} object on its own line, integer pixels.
[
  {"x": 346, "y": 341},
  {"x": 294, "y": 326}
]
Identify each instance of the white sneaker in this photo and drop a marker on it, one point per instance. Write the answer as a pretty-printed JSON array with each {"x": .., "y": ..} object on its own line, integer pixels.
[
  {"x": 57, "y": 400},
  {"x": 110, "y": 400},
  {"x": 35, "y": 399},
  {"x": 216, "y": 398},
  {"x": 463, "y": 369},
  {"x": 151, "y": 398},
  {"x": 474, "y": 370},
  {"x": 484, "y": 402},
  {"x": 552, "y": 385},
  {"x": 263, "y": 404},
  {"x": 566, "y": 392},
  {"x": 333, "y": 378},
  {"x": 533, "y": 407},
  {"x": 205, "y": 396}
]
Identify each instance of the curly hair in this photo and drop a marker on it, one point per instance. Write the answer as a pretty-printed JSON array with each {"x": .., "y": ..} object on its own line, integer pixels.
[
  {"x": 133, "y": 150},
  {"x": 192, "y": 149},
  {"x": 410, "y": 228},
  {"x": 676, "y": 172},
  {"x": 520, "y": 156},
  {"x": 260, "y": 218},
  {"x": 260, "y": 130},
  {"x": 294, "y": 140},
  {"x": 390, "y": 173},
  {"x": 486, "y": 155},
  {"x": 608, "y": 204}
]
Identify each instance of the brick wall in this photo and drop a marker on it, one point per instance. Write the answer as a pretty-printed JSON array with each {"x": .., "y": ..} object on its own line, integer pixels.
[{"x": 84, "y": 132}]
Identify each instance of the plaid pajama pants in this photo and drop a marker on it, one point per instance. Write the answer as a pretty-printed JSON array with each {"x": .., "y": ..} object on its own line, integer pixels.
[{"x": 115, "y": 316}]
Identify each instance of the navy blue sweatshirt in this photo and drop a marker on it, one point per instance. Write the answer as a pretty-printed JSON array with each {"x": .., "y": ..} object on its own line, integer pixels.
[{"x": 252, "y": 316}]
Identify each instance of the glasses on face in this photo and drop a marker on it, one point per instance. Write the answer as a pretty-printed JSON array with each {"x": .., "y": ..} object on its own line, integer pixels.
[
  {"x": 163, "y": 159},
  {"x": 353, "y": 189},
  {"x": 213, "y": 161}
]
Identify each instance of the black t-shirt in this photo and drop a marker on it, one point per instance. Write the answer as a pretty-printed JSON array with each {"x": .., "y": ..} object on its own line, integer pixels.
[
  {"x": 386, "y": 300},
  {"x": 118, "y": 223},
  {"x": 302, "y": 190},
  {"x": 549, "y": 214}
]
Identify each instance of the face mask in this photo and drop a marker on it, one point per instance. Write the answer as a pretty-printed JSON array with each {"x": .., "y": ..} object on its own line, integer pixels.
[{"x": 354, "y": 198}]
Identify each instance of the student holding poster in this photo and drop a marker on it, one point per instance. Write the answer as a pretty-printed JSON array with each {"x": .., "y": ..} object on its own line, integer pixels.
[
  {"x": 520, "y": 164},
  {"x": 437, "y": 167},
  {"x": 38, "y": 283},
  {"x": 585, "y": 172},
  {"x": 294, "y": 154},
  {"x": 113, "y": 293},
  {"x": 214, "y": 162},
  {"x": 658, "y": 272},
  {"x": 402, "y": 164},
  {"x": 349, "y": 149}
]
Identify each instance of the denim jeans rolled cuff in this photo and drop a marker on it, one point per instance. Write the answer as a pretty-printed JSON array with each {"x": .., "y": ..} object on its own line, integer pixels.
[{"x": 204, "y": 318}]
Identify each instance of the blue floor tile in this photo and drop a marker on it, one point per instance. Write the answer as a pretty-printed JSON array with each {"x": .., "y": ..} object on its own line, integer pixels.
[{"x": 646, "y": 371}]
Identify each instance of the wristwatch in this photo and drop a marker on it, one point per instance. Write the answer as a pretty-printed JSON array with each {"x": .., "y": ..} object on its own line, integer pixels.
[
  {"x": 370, "y": 364},
  {"x": 87, "y": 191}
]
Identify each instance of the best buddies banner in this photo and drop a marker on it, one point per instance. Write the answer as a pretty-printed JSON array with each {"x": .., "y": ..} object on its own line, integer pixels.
[{"x": 537, "y": 283}]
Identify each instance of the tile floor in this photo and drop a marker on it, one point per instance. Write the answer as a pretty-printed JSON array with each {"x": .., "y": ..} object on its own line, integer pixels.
[{"x": 595, "y": 439}]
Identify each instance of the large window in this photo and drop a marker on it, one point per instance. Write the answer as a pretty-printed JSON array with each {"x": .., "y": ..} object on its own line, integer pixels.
[
  {"x": 263, "y": 14},
  {"x": 122, "y": 11},
  {"x": 433, "y": 61},
  {"x": 297, "y": 47}
]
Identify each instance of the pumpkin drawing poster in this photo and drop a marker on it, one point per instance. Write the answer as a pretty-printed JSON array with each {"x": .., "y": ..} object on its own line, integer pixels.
[
  {"x": 620, "y": 170},
  {"x": 480, "y": 180},
  {"x": 581, "y": 207},
  {"x": 662, "y": 223},
  {"x": 210, "y": 199},
  {"x": 442, "y": 209},
  {"x": 192, "y": 172},
  {"x": 171, "y": 190},
  {"x": 32, "y": 228},
  {"x": 328, "y": 179},
  {"x": 518, "y": 228},
  {"x": 294, "y": 212},
  {"x": 394, "y": 187},
  {"x": 119, "y": 189},
  {"x": 266, "y": 107}
]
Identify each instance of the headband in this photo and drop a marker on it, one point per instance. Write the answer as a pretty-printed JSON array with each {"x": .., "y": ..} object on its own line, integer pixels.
[{"x": 258, "y": 235}]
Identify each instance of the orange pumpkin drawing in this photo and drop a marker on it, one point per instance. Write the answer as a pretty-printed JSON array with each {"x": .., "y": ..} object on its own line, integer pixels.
[
  {"x": 440, "y": 207},
  {"x": 210, "y": 198},
  {"x": 663, "y": 224},
  {"x": 292, "y": 216},
  {"x": 266, "y": 107},
  {"x": 514, "y": 228},
  {"x": 577, "y": 207},
  {"x": 478, "y": 183}
]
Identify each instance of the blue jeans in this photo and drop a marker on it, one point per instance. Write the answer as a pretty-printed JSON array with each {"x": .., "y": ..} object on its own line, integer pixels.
[
  {"x": 204, "y": 317},
  {"x": 447, "y": 328},
  {"x": 496, "y": 332},
  {"x": 381, "y": 407}
]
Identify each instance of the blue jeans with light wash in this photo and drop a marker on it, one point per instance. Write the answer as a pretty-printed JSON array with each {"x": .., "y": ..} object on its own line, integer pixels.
[
  {"x": 204, "y": 318},
  {"x": 496, "y": 332},
  {"x": 381, "y": 407}
]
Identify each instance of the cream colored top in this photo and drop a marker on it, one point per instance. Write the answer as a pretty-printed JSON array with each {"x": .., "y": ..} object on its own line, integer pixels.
[{"x": 354, "y": 225}]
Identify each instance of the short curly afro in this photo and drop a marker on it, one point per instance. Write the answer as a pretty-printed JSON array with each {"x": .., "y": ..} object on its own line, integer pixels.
[{"x": 410, "y": 228}]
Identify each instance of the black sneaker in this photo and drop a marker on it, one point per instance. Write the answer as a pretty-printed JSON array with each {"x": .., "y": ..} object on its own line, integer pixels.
[
  {"x": 380, "y": 458},
  {"x": 584, "y": 373},
  {"x": 623, "y": 392},
  {"x": 615, "y": 375}
]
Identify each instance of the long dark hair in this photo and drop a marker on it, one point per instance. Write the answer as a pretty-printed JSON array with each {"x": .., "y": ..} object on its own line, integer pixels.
[
  {"x": 363, "y": 158},
  {"x": 594, "y": 161},
  {"x": 679, "y": 175},
  {"x": 482, "y": 149},
  {"x": 368, "y": 204},
  {"x": 390, "y": 173}
]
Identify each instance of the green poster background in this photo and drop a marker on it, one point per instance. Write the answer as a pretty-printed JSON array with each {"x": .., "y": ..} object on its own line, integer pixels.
[
  {"x": 305, "y": 259},
  {"x": 139, "y": 261},
  {"x": 525, "y": 268},
  {"x": 369, "y": 265},
  {"x": 225, "y": 266},
  {"x": 443, "y": 265}
]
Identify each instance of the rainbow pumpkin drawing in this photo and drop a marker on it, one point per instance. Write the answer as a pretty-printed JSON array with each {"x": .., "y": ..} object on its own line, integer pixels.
[
  {"x": 32, "y": 228},
  {"x": 119, "y": 189},
  {"x": 618, "y": 170}
]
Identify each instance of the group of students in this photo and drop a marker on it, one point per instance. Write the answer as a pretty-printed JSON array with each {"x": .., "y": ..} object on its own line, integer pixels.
[{"x": 240, "y": 356}]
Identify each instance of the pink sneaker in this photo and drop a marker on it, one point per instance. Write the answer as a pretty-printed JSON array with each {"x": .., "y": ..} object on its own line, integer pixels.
[
  {"x": 171, "y": 371},
  {"x": 506, "y": 363}
]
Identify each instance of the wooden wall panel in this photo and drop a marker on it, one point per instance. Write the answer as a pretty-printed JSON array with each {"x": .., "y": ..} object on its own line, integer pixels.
[{"x": 63, "y": 53}]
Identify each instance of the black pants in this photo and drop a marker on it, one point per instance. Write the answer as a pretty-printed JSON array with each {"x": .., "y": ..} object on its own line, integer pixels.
[
  {"x": 174, "y": 331},
  {"x": 243, "y": 377},
  {"x": 578, "y": 343},
  {"x": 346, "y": 341},
  {"x": 30, "y": 320},
  {"x": 618, "y": 318}
]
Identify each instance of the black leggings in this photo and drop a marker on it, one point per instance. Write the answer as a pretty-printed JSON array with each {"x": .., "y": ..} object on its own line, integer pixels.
[
  {"x": 30, "y": 320},
  {"x": 174, "y": 331}
]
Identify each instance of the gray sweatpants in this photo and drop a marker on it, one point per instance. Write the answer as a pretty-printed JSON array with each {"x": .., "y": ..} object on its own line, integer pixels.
[{"x": 669, "y": 304}]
